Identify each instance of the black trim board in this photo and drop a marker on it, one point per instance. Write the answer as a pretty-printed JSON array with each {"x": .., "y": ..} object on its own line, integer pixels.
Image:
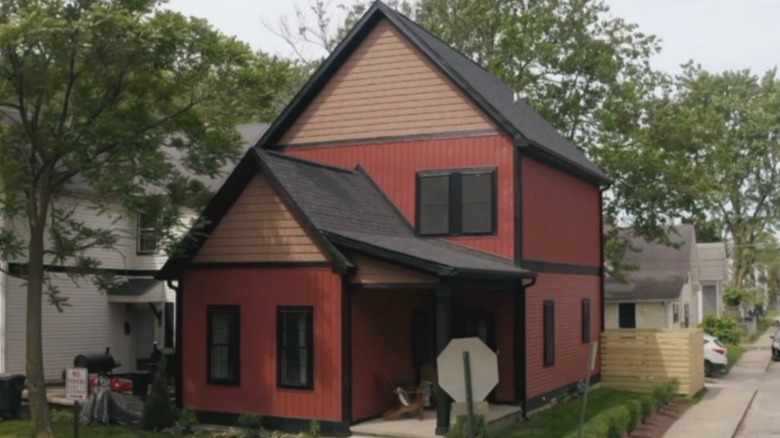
[
  {"x": 518, "y": 188},
  {"x": 17, "y": 267},
  {"x": 285, "y": 424},
  {"x": 601, "y": 258},
  {"x": 541, "y": 400},
  {"x": 346, "y": 349},
  {"x": 226, "y": 265},
  {"x": 394, "y": 139},
  {"x": 559, "y": 268}
]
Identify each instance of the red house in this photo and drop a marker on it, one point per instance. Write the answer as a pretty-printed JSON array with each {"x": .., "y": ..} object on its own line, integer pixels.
[{"x": 403, "y": 198}]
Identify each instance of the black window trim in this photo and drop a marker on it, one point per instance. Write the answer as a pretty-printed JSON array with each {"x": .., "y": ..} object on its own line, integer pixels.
[
  {"x": 585, "y": 320},
  {"x": 455, "y": 219},
  {"x": 234, "y": 352},
  {"x": 548, "y": 318},
  {"x": 308, "y": 311}
]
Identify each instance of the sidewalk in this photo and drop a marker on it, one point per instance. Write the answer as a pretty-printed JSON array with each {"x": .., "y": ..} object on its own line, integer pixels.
[{"x": 721, "y": 410}]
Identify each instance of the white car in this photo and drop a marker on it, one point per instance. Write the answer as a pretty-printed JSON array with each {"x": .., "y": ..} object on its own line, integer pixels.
[{"x": 715, "y": 355}]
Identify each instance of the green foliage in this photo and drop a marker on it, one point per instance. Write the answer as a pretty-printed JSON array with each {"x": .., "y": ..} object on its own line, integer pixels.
[
  {"x": 735, "y": 352},
  {"x": 648, "y": 406},
  {"x": 251, "y": 424},
  {"x": 158, "y": 412},
  {"x": 461, "y": 427},
  {"x": 635, "y": 417},
  {"x": 186, "y": 421},
  {"x": 664, "y": 392},
  {"x": 315, "y": 430},
  {"x": 723, "y": 327}
]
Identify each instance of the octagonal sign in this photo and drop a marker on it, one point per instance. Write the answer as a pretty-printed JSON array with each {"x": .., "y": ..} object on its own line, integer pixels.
[{"x": 483, "y": 364}]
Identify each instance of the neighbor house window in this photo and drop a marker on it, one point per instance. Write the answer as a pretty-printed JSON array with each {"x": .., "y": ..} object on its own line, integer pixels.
[
  {"x": 295, "y": 350},
  {"x": 456, "y": 202},
  {"x": 585, "y": 320},
  {"x": 549, "y": 332},
  {"x": 675, "y": 313},
  {"x": 687, "y": 315},
  {"x": 147, "y": 236},
  {"x": 223, "y": 344}
]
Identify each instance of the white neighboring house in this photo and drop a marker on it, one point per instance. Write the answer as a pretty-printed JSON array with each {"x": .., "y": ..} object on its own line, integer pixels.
[
  {"x": 714, "y": 276},
  {"x": 128, "y": 319},
  {"x": 663, "y": 291}
]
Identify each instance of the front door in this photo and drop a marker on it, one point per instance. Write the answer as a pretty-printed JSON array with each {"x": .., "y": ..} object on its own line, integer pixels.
[
  {"x": 627, "y": 315},
  {"x": 482, "y": 327}
]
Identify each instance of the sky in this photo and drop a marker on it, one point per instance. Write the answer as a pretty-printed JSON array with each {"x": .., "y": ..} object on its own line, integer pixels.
[{"x": 718, "y": 34}]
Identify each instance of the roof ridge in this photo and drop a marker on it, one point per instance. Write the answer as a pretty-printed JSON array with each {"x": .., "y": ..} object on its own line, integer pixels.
[{"x": 305, "y": 161}]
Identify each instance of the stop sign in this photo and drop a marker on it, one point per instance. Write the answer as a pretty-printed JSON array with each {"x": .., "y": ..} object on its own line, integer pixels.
[{"x": 483, "y": 364}]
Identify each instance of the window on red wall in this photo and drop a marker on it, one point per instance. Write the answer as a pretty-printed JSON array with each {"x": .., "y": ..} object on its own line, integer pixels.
[
  {"x": 223, "y": 337},
  {"x": 295, "y": 350},
  {"x": 549, "y": 332},
  {"x": 456, "y": 202},
  {"x": 585, "y": 320}
]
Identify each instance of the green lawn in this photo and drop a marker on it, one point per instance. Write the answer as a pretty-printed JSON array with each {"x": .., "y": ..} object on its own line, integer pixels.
[
  {"x": 734, "y": 353},
  {"x": 16, "y": 429},
  {"x": 564, "y": 418}
]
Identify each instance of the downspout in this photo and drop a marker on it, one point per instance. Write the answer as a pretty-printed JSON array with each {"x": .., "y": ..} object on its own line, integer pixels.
[
  {"x": 524, "y": 349},
  {"x": 3, "y": 317},
  {"x": 178, "y": 388}
]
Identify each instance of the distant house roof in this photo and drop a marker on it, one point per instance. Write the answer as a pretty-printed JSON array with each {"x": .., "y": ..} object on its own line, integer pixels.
[
  {"x": 712, "y": 261},
  {"x": 487, "y": 91},
  {"x": 660, "y": 270}
]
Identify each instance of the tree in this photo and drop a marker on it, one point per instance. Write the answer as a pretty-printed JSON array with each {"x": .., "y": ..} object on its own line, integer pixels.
[
  {"x": 104, "y": 94},
  {"x": 719, "y": 136}
]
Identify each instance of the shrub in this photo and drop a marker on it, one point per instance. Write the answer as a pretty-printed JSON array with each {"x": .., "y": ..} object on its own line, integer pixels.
[
  {"x": 725, "y": 328},
  {"x": 634, "y": 407},
  {"x": 648, "y": 406},
  {"x": 461, "y": 427},
  {"x": 187, "y": 420},
  {"x": 158, "y": 410},
  {"x": 251, "y": 424},
  {"x": 315, "y": 431}
]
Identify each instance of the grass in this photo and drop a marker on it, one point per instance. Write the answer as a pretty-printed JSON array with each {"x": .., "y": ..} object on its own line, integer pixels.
[
  {"x": 734, "y": 353},
  {"x": 64, "y": 429},
  {"x": 564, "y": 418}
]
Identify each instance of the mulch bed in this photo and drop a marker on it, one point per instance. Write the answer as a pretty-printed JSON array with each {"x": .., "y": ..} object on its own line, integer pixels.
[{"x": 657, "y": 425}]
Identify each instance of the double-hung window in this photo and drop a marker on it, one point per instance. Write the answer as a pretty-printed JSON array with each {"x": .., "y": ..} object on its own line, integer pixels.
[
  {"x": 147, "y": 235},
  {"x": 223, "y": 335},
  {"x": 294, "y": 349},
  {"x": 456, "y": 202}
]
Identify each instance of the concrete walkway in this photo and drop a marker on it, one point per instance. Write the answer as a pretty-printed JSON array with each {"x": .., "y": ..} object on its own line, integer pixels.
[{"x": 721, "y": 410}]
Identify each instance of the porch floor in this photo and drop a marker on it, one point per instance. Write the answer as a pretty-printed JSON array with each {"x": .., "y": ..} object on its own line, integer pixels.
[{"x": 499, "y": 417}]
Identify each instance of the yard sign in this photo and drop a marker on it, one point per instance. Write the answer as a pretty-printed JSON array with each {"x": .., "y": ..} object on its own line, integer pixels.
[{"x": 76, "y": 384}]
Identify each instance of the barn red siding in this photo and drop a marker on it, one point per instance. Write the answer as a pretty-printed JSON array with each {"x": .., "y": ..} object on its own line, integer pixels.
[
  {"x": 382, "y": 346},
  {"x": 500, "y": 305},
  {"x": 393, "y": 166},
  {"x": 571, "y": 355},
  {"x": 560, "y": 216},
  {"x": 259, "y": 292}
]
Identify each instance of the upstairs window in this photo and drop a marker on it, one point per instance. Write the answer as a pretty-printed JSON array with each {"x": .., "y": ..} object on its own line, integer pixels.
[
  {"x": 147, "y": 236},
  {"x": 456, "y": 202}
]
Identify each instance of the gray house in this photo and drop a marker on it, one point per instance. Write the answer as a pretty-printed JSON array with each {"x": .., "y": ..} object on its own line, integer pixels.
[
  {"x": 714, "y": 276},
  {"x": 663, "y": 289}
]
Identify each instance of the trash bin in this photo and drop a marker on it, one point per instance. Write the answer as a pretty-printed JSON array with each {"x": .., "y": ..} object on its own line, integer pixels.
[{"x": 11, "y": 386}]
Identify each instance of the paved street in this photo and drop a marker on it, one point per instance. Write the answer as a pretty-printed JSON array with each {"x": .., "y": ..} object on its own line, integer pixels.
[{"x": 763, "y": 416}]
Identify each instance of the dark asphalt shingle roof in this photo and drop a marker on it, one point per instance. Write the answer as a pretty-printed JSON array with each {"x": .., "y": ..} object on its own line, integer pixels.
[
  {"x": 660, "y": 272},
  {"x": 351, "y": 211}
]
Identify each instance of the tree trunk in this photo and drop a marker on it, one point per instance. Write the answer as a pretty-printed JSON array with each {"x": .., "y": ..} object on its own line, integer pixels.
[
  {"x": 36, "y": 389},
  {"x": 37, "y": 211}
]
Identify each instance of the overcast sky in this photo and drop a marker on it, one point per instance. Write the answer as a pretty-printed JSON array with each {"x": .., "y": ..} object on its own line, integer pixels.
[{"x": 719, "y": 34}]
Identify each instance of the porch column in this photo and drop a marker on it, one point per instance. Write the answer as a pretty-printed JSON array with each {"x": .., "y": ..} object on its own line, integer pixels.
[{"x": 443, "y": 337}]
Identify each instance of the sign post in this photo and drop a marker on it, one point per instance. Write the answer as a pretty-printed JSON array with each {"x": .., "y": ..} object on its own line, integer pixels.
[
  {"x": 469, "y": 392},
  {"x": 76, "y": 389},
  {"x": 594, "y": 348}
]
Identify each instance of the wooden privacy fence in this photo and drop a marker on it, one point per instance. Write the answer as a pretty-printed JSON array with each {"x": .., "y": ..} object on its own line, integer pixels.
[{"x": 637, "y": 359}]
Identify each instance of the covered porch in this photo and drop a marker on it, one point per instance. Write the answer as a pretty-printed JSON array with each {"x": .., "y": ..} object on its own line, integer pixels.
[{"x": 399, "y": 321}]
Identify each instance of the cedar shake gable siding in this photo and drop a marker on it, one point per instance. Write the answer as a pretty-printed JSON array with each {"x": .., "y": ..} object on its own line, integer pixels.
[
  {"x": 259, "y": 227},
  {"x": 386, "y": 88}
]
